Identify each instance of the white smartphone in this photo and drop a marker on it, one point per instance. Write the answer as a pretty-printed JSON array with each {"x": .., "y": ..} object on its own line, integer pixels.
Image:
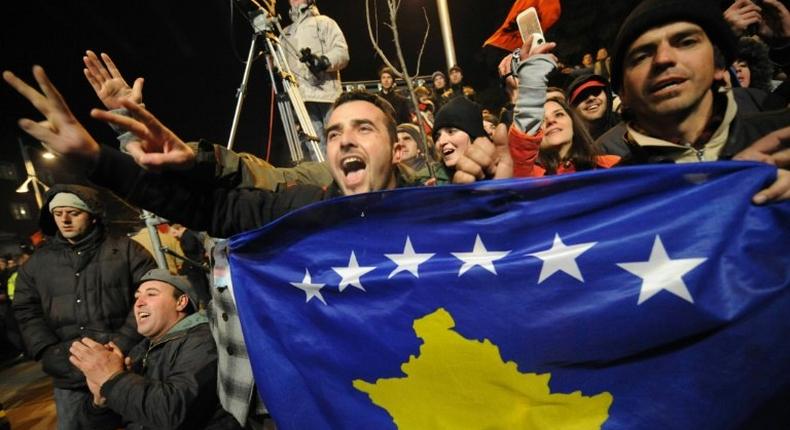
[{"x": 529, "y": 24}]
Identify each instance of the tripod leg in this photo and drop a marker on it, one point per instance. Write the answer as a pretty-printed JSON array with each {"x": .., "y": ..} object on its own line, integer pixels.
[
  {"x": 290, "y": 87},
  {"x": 242, "y": 91},
  {"x": 291, "y": 134}
]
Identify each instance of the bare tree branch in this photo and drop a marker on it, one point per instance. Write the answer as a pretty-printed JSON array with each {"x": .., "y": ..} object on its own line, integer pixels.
[
  {"x": 375, "y": 43},
  {"x": 424, "y": 41},
  {"x": 376, "y": 21},
  {"x": 393, "y": 6}
]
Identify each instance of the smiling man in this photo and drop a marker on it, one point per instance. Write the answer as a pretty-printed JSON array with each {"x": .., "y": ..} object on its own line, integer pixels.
[
  {"x": 591, "y": 97},
  {"x": 169, "y": 380}
]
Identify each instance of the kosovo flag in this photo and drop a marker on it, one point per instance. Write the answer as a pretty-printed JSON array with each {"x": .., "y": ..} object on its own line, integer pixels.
[{"x": 650, "y": 297}]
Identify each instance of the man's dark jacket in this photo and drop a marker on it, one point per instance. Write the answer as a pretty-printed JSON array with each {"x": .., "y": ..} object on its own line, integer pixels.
[
  {"x": 67, "y": 291},
  {"x": 196, "y": 199},
  {"x": 172, "y": 384},
  {"x": 745, "y": 129}
]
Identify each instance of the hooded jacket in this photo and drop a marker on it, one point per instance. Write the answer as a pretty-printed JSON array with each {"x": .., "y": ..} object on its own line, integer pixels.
[
  {"x": 323, "y": 36},
  {"x": 67, "y": 291}
]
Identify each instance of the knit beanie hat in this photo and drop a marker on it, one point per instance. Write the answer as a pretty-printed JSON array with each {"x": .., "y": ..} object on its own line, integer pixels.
[
  {"x": 413, "y": 131},
  {"x": 180, "y": 283},
  {"x": 654, "y": 13},
  {"x": 69, "y": 200},
  {"x": 460, "y": 113},
  {"x": 438, "y": 73}
]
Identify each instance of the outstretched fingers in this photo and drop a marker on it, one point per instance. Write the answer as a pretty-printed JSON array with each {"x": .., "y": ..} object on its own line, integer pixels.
[
  {"x": 96, "y": 66},
  {"x": 42, "y": 131},
  {"x": 52, "y": 94},
  {"x": 114, "y": 72},
  {"x": 138, "y": 128},
  {"x": 144, "y": 116},
  {"x": 31, "y": 94}
]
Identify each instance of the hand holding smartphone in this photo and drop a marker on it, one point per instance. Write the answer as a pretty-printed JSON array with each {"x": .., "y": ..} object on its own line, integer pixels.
[{"x": 529, "y": 25}]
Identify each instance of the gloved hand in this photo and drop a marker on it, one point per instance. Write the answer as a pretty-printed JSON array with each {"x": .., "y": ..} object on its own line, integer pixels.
[{"x": 315, "y": 63}]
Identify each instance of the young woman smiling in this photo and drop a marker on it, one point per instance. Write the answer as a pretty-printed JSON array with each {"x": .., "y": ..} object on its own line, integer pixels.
[{"x": 547, "y": 137}]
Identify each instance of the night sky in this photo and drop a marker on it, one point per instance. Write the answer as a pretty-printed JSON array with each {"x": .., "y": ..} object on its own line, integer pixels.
[{"x": 190, "y": 54}]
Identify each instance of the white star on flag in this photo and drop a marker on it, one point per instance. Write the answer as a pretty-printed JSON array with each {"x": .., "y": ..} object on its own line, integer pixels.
[
  {"x": 662, "y": 273},
  {"x": 310, "y": 289},
  {"x": 479, "y": 256},
  {"x": 352, "y": 273},
  {"x": 561, "y": 258},
  {"x": 409, "y": 261}
]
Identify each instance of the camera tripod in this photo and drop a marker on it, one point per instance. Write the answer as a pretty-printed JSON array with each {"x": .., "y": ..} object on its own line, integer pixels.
[{"x": 293, "y": 113}]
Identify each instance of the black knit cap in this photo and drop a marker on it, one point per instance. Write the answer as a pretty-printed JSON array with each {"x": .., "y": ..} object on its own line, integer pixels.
[
  {"x": 460, "y": 113},
  {"x": 654, "y": 13}
]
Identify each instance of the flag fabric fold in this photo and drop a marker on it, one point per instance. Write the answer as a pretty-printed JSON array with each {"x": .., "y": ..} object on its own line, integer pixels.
[{"x": 637, "y": 297}]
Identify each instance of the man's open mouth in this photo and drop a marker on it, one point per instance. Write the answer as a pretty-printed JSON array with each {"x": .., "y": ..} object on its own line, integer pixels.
[{"x": 353, "y": 169}]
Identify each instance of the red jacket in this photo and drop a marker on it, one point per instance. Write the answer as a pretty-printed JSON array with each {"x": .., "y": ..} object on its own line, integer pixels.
[{"x": 524, "y": 151}]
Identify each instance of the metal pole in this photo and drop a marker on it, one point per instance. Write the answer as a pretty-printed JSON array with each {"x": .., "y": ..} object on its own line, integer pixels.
[
  {"x": 151, "y": 221},
  {"x": 447, "y": 33},
  {"x": 242, "y": 91}
]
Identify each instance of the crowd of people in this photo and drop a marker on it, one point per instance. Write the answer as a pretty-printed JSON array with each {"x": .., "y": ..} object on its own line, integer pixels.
[{"x": 131, "y": 344}]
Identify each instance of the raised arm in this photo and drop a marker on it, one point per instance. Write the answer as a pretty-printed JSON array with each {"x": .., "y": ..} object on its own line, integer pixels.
[{"x": 524, "y": 136}]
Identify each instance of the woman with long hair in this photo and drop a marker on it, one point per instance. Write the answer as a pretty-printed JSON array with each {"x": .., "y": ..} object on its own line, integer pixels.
[
  {"x": 547, "y": 136},
  {"x": 567, "y": 146}
]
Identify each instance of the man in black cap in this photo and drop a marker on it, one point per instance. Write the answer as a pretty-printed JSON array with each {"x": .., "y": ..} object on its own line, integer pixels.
[
  {"x": 169, "y": 380},
  {"x": 663, "y": 68}
]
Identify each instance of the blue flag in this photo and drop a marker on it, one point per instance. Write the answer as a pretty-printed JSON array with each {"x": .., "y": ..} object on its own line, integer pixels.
[{"x": 650, "y": 297}]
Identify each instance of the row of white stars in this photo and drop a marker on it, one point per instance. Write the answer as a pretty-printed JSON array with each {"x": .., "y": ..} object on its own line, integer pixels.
[{"x": 658, "y": 273}]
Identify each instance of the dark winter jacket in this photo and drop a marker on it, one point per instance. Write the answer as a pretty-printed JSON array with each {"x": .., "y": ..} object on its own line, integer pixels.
[
  {"x": 744, "y": 130},
  {"x": 172, "y": 384},
  {"x": 67, "y": 291},
  {"x": 401, "y": 105},
  {"x": 196, "y": 200}
]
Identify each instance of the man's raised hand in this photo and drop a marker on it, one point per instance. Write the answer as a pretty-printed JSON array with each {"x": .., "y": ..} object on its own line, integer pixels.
[
  {"x": 155, "y": 146},
  {"x": 60, "y": 131},
  {"x": 108, "y": 83}
]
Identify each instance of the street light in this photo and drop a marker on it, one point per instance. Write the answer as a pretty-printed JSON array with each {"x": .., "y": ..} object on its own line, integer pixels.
[{"x": 32, "y": 178}]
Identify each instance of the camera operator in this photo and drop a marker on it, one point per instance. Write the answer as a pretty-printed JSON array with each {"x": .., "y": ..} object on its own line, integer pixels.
[{"x": 317, "y": 52}]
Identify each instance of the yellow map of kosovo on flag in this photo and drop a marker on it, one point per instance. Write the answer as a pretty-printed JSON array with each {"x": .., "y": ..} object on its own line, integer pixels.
[{"x": 457, "y": 383}]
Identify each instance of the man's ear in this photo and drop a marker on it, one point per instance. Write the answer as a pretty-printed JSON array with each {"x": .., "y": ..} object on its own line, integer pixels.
[
  {"x": 397, "y": 152},
  {"x": 182, "y": 303}
]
